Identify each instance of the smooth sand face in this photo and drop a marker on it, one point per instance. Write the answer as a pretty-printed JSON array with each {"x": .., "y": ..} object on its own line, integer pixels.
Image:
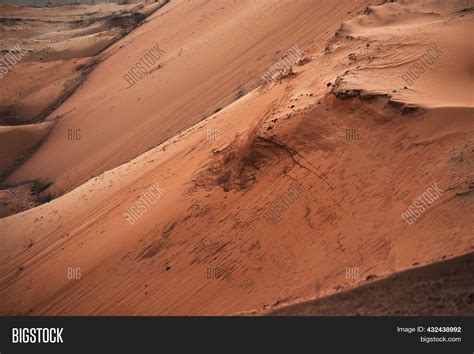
[
  {"x": 340, "y": 124},
  {"x": 46, "y": 55},
  {"x": 209, "y": 60}
]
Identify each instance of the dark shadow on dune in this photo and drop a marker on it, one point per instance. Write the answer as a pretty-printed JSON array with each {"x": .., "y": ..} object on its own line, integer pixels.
[{"x": 445, "y": 288}]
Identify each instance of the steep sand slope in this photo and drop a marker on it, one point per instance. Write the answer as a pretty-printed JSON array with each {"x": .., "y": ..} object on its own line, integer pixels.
[
  {"x": 441, "y": 289},
  {"x": 212, "y": 58},
  {"x": 212, "y": 213},
  {"x": 15, "y": 141},
  {"x": 46, "y": 55},
  {"x": 56, "y": 46},
  {"x": 16, "y": 144}
]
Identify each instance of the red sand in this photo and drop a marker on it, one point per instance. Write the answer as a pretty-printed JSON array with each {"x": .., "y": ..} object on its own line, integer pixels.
[{"x": 211, "y": 218}]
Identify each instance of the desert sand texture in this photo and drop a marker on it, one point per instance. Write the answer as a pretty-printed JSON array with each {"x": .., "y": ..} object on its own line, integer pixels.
[{"x": 268, "y": 191}]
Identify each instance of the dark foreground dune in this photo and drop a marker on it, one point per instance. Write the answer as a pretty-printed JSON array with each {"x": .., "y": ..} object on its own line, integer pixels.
[{"x": 442, "y": 289}]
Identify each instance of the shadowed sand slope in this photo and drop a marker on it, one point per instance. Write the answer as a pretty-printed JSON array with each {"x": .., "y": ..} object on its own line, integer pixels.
[
  {"x": 48, "y": 53},
  {"x": 445, "y": 288},
  {"x": 303, "y": 180},
  {"x": 15, "y": 141},
  {"x": 54, "y": 46},
  {"x": 215, "y": 56}
]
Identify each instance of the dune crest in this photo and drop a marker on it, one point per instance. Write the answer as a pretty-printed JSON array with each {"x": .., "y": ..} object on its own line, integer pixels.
[{"x": 228, "y": 148}]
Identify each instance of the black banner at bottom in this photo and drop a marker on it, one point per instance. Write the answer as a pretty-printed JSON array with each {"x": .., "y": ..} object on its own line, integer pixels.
[{"x": 221, "y": 334}]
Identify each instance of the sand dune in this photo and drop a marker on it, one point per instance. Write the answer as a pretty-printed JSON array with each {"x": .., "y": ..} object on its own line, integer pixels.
[
  {"x": 55, "y": 41},
  {"x": 17, "y": 140},
  {"x": 339, "y": 132},
  {"x": 209, "y": 61},
  {"x": 54, "y": 49},
  {"x": 441, "y": 289}
]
